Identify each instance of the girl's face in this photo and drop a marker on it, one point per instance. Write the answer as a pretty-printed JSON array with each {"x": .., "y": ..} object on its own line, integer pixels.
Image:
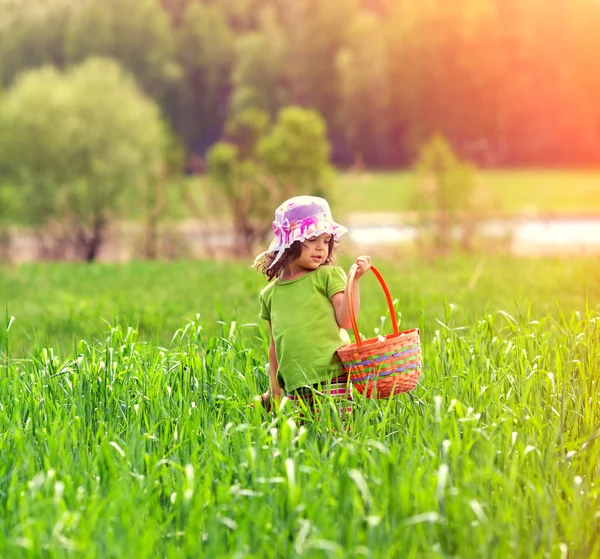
[{"x": 314, "y": 252}]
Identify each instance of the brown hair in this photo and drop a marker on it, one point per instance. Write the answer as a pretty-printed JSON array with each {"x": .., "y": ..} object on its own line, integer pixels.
[{"x": 289, "y": 255}]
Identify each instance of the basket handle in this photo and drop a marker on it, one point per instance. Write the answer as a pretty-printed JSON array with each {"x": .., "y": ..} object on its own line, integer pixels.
[{"x": 388, "y": 296}]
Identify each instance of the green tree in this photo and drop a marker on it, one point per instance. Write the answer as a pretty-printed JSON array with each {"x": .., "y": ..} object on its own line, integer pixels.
[
  {"x": 316, "y": 31},
  {"x": 205, "y": 51},
  {"x": 362, "y": 74},
  {"x": 236, "y": 177},
  {"x": 296, "y": 153},
  {"x": 137, "y": 33},
  {"x": 246, "y": 129},
  {"x": 445, "y": 190},
  {"x": 260, "y": 74},
  {"x": 77, "y": 146},
  {"x": 439, "y": 74},
  {"x": 31, "y": 35},
  {"x": 155, "y": 196},
  {"x": 255, "y": 170}
]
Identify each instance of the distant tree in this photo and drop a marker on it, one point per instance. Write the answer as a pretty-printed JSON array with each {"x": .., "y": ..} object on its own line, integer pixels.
[
  {"x": 443, "y": 63},
  {"x": 444, "y": 191},
  {"x": 246, "y": 129},
  {"x": 255, "y": 169},
  {"x": 235, "y": 175},
  {"x": 362, "y": 73},
  {"x": 205, "y": 52},
  {"x": 31, "y": 35},
  {"x": 76, "y": 146},
  {"x": 5, "y": 211},
  {"x": 260, "y": 75},
  {"x": 316, "y": 31},
  {"x": 508, "y": 82},
  {"x": 137, "y": 33},
  {"x": 296, "y": 153},
  {"x": 154, "y": 193}
]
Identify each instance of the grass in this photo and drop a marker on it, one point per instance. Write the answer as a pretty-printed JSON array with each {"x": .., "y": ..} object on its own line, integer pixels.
[
  {"x": 558, "y": 192},
  {"x": 117, "y": 441},
  {"x": 516, "y": 191},
  {"x": 56, "y": 305}
]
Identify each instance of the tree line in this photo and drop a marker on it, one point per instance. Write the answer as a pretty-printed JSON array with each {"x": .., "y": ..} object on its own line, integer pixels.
[{"x": 507, "y": 82}]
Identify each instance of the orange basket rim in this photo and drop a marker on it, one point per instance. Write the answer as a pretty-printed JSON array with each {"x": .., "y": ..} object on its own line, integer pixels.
[{"x": 376, "y": 342}]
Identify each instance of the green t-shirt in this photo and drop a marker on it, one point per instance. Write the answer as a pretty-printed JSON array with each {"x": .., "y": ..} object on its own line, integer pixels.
[{"x": 305, "y": 330}]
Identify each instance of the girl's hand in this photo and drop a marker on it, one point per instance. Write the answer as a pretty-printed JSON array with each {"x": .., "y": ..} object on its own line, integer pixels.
[{"x": 362, "y": 266}]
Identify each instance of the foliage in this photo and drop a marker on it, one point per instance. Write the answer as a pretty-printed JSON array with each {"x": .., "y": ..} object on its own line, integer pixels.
[
  {"x": 246, "y": 130},
  {"x": 384, "y": 75},
  {"x": 296, "y": 153},
  {"x": 257, "y": 168},
  {"x": 260, "y": 76},
  {"x": 120, "y": 446},
  {"x": 238, "y": 183},
  {"x": 445, "y": 189},
  {"x": 31, "y": 34},
  {"x": 205, "y": 52},
  {"x": 75, "y": 144},
  {"x": 362, "y": 73},
  {"x": 234, "y": 174},
  {"x": 155, "y": 198},
  {"x": 142, "y": 41}
]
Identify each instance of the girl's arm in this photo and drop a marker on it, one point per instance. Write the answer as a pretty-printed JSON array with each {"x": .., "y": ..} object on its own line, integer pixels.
[
  {"x": 275, "y": 389},
  {"x": 341, "y": 301}
]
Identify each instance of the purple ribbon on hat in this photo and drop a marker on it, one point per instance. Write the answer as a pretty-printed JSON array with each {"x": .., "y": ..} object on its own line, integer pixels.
[
  {"x": 306, "y": 223},
  {"x": 282, "y": 230}
]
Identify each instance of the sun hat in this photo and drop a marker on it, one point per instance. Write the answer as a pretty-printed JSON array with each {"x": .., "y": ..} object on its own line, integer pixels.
[{"x": 298, "y": 219}]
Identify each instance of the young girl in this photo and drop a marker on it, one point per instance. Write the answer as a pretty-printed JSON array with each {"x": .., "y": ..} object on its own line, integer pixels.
[{"x": 307, "y": 303}]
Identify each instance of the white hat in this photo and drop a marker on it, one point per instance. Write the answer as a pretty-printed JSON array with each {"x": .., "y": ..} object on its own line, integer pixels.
[{"x": 298, "y": 219}]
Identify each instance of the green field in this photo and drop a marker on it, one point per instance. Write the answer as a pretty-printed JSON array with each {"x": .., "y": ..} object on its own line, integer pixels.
[
  {"x": 557, "y": 192},
  {"x": 125, "y": 429},
  {"x": 512, "y": 191}
]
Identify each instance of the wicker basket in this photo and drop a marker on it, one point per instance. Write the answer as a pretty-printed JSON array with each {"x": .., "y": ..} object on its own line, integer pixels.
[{"x": 383, "y": 366}]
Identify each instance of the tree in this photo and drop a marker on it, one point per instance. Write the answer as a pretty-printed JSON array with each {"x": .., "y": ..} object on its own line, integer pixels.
[
  {"x": 77, "y": 146},
  {"x": 235, "y": 175},
  {"x": 445, "y": 189},
  {"x": 205, "y": 51},
  {"x": 255, "y": 170},
  {"x": 137, "y": 33},
  {"x": 31, "y": 35},
  {"x": 441, "y": 57},
  {"x": 154, "y": 196},
  {"x": 260, "y": 75},
  {"x": 362, "y": 73},
  {"x": 296, "y": 153},
  {"x": 5, "y": 212},
  {"x": 316, "y": 31}
]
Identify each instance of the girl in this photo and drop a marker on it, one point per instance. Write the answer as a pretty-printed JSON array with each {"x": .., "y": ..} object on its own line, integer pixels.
[{"x": 307, "y": 304}]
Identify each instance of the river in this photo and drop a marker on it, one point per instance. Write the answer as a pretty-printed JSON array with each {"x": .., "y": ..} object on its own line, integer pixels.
[{"x": 523, "y": 235}]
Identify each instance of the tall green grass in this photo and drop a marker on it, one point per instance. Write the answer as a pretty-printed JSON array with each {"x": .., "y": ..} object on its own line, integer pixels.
[
  {"x": 123, "y": 445},
  {"x": 56, "y": 305},
  {"x": 132, "y": 450}
]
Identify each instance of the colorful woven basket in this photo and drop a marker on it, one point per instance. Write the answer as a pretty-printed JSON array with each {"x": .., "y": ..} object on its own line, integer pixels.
[{"x": 383, "y": 366}]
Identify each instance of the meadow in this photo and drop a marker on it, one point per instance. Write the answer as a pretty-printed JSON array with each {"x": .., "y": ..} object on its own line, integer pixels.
[
  {"x": 508, "y": 191},
  {"x": 126, "y": 429},
  {"x": 511, "y": 191}
]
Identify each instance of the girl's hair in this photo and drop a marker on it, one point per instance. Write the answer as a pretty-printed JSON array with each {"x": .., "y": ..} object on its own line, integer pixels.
[{"x": 290, "y": 254}]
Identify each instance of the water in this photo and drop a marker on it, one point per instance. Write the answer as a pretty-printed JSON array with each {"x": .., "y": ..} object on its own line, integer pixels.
[{"x": 524, "y": 236}]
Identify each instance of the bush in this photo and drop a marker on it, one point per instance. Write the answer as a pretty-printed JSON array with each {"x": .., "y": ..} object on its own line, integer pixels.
[{"x": 78, "y": 146}]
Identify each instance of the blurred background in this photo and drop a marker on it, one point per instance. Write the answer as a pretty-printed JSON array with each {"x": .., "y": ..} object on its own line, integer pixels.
[{"x": 163, "y": 129}]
